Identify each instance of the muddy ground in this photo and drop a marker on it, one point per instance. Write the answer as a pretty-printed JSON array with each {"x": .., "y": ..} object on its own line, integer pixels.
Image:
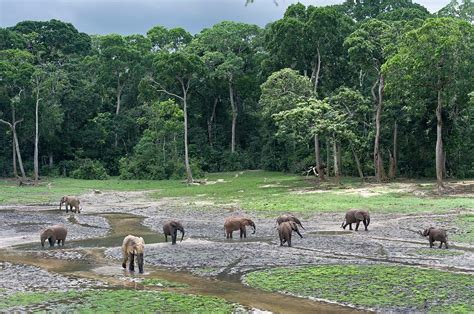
[{"x": 95, "y": 235}]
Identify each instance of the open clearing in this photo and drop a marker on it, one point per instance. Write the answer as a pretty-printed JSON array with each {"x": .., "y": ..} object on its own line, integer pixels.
[{"x": 212, "y": 268}]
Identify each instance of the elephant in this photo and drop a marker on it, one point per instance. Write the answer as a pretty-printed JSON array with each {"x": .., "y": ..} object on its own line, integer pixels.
[
  {"x": 72, "y": 201},
  {"x": 289, "y": 217},
  {"x": 356, "y": 216},
  {"x": 232, "y": 224},
  {"x": 133, "y": 246},
  {"x": 171, "y": 229},
  {"x": 285, "y": 230},
  {"x": 54, "y": 233},
  {"x": 435, "y": 234}
]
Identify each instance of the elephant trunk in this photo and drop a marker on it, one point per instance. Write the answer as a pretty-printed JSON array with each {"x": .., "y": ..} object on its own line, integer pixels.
[
  {"x": 182, "y": 234},
  {"x": 60, "y": 203},
  {"x": 43, "y": 239},
  {"x": 301, "y": 226}
]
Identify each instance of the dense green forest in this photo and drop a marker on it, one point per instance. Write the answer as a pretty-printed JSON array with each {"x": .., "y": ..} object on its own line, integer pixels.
[{"x": 365, "y": 88}]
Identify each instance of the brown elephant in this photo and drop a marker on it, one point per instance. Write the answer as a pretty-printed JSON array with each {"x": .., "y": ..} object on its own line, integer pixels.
[
  {"x": 72, "y": 201},
  {"x": 171, "y": 229},
  {"x": 435, "y": 234},
  {"x": 285, "y": 229},
  {"x": 232, "y": 224},
  {"x": 356, "y": 216},
  {"x": 52, "y": 234},
  {"x": 133, "y": 246},
  {"x": 289, "y": 217}
]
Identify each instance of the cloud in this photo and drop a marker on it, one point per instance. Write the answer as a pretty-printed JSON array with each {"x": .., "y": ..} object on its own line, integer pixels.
[{"x": 138, "y": 16}]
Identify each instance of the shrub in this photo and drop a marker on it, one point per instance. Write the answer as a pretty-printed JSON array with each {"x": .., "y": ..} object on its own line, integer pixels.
[{"x": 89, "y": 169}]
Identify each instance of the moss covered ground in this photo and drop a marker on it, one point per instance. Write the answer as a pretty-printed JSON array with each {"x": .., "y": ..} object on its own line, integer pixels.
[
  {"x": 114, "y": 301},
  {"x": 373, "y": 286}
]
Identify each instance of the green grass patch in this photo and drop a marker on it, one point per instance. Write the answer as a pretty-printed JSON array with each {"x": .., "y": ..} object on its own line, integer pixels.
[
  {"x": 116, "y": 301},
  {"x": 372, "y": 286},
  {"x": 466, "y": 225},
  {"x": 262, "y": 191},
  {"x": 163, "y": 283}
]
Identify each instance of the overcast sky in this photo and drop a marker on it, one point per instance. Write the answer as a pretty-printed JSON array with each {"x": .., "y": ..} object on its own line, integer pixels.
[{"x": 138, "y": 16}]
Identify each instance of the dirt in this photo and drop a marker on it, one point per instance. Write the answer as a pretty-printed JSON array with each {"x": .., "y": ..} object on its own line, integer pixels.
[{"x": 91, "y": 256}]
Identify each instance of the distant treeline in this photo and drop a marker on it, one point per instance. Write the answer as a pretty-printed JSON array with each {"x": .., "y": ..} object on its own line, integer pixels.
[{"x": 365, "y": 88}]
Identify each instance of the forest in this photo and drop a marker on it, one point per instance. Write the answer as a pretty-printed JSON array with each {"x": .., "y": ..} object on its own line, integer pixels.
[{"x": 378, "y": 89}]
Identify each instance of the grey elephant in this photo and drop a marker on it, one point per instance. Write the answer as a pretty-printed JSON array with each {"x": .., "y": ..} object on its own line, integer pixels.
[
  {"x": 435, "y": 234},
  {"x": 52, "y": 234},
  {"x": 71, "y": 201},
  {"x": 285, "y": 229},
  {"x": 232, "y": 224},
  {"x": 356, "y": 216},
  {"x": 171, "y": 229},
  {"x": 289, "y": 217}
]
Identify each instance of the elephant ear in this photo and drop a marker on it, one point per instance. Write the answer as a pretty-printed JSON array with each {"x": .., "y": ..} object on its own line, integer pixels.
[{"x": 359, "y": 215}]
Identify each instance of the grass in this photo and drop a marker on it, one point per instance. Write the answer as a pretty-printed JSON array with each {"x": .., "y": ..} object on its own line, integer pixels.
[
  {"x": 114, "y": 301},
  {"x": 436, "y": 252},
  {"x": 373, "y": 286},
  {"x": 253, "y": 191}
]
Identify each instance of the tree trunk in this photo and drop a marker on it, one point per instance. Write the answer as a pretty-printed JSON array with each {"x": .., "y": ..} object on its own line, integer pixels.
[
  {"x": 336, "y": 162},
  {"x": 234, "y": 115},
  {"x": 189, "y": 174},
  {"x": 357, "y": 161},
  {"x": 439, "y": 144},
  {"x": 339, "y": 159},
  {"x": 35, "y": 159},
  {"x": 392, "y": 170},
  {"x": 316, "y": 71},
  {"x": 378, "y": 165},
  {"x": 317, "y": 154},
  {"x": 51, "y": 161},
  {"x": 118, "y": 96},
  {"x": 18, "y": 154},
  {"x": 15, "y": 172},
  {"x": 328, "y": 158},
  {"x": 210, "y": 121}
]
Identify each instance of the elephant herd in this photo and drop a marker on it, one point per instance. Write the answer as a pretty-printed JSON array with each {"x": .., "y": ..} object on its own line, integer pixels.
[{"x": 134, "y": 247}]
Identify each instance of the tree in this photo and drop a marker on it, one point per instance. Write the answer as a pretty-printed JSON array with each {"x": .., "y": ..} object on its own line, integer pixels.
[
  {"x": 444, "y": 46},
  {"x": 367, "y": 48},
  {"x": 232, "y": 42},
  {"x": 16, "y": 69},
  {"x": 174, "y": 74},
  {"x": 463, "y": 9}
]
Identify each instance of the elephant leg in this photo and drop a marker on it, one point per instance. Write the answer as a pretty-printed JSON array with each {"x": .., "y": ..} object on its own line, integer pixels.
[
  {"x": 365, "y": 224},
  {"x": 357, "y": 225},
  {"x": 66, "y": 208},
  {"x": 431, "y": 243},
  {"x": 241, "y": 233},
  {"x": 350, "y": 226},
  {"x": 173, "y": 237},
  {"x": 440, "y": 244},
  {"x": 230, "y": 235},
  {"x": 131, "y": 266},
  {"x": 446, "y": 244},
  {"x": 124, "y": 261},
  {"x": 245, "y": 233},
  {"x": 289, "y": 240},
  {"x": 166, "y": 238},
  {"x": 344, "y": 225}
]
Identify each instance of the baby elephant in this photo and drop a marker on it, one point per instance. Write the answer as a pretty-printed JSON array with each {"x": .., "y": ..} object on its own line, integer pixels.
[
  {"x": 133, "y": 246},
  {"x": 54, "y": 233},
  {"x": 285, "y": 230},
  {"x": 232, "y": 224},
  {"x": 171, "y": 229},
  {"x": 71, "y": 201},
  {"x": 289, "y": 217},
  {"x": 435, "y": 234},
  {"x": 356, "y": 216}
]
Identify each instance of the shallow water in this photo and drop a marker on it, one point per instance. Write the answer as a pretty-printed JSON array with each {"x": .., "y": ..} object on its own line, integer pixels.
[{"x": 85, "y": 259}]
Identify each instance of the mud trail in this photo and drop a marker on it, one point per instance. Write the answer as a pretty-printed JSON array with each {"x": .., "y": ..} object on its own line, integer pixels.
[{"x": 205, "y": 260}]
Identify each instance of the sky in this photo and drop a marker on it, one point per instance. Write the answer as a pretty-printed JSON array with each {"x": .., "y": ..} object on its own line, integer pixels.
[{"x": 138, "y": 16}]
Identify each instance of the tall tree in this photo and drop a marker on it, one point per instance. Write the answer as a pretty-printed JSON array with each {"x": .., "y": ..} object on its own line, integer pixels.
[
  {"x": 367, "y": 48},
  {"x": 445, "y": 47},
  {"x": 174, "y": 74}
]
